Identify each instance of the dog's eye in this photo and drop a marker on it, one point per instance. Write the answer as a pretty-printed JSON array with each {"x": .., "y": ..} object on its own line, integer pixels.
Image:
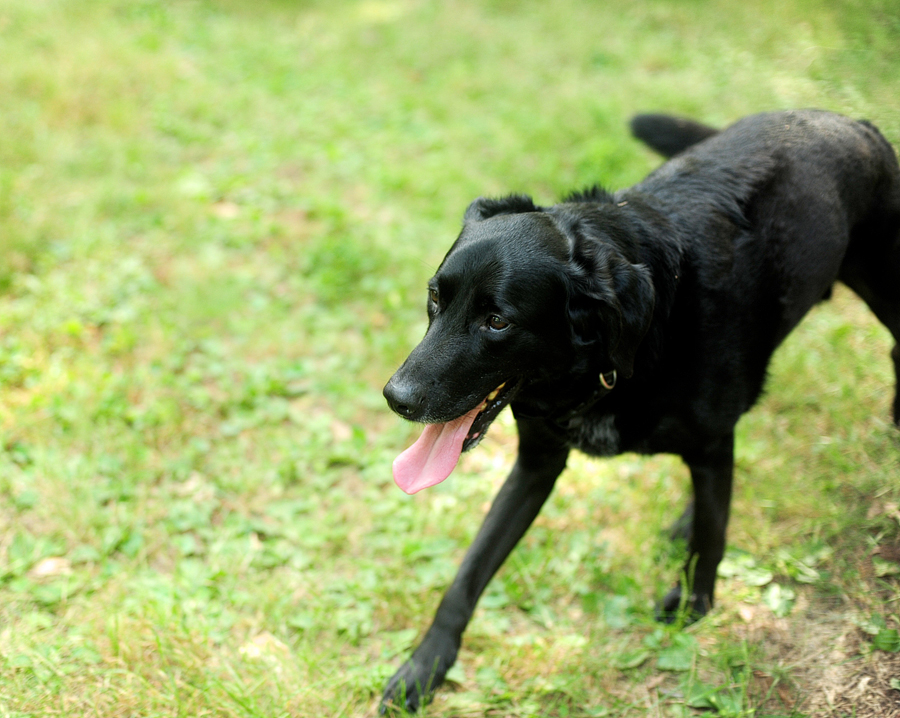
[
  {"x": 498, "y": 324},
  {"x": 433, "y": 296}
]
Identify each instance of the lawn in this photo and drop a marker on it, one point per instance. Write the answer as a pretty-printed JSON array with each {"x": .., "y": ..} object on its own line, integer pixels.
[{"x": 217, "y": 220}]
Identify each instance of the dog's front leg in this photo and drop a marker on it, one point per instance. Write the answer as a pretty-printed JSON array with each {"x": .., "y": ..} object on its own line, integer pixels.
[
  {"x": 542, "y": 456},
  {"x": 712, "y": 469}
]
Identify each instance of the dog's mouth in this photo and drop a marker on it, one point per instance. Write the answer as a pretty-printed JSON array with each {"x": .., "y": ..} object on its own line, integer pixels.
[
  {"x": 434, "y": 455},
  {"x": 487, "y": 411}
]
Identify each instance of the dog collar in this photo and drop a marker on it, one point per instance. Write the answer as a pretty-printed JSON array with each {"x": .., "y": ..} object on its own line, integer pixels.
[{"x": 607, "y": 381}]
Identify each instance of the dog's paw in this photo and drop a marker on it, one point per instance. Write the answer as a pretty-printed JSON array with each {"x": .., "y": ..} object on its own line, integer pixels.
[
  {"x": 412, "y": 686},
  {"x": 675, "y": 608},
  {"x": 401, "y": 694}
]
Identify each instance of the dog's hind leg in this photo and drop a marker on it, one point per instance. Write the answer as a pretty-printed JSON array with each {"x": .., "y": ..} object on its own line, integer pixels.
[
  {"x": 874, "y": 274},
  {"x": 712, "y": 469},
  {"x": 681, "y": 530},
  {"x": 542, "y": 456},
  {"x": 886, "y": 306}
]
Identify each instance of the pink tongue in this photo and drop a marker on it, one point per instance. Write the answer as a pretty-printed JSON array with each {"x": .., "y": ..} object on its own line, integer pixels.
[{"x": 434, "y": 455}]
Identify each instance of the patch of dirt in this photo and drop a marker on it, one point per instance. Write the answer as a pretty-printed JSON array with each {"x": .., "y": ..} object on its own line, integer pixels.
[
  {"x": 859, "y": 686},
  {"x": 833, "y": 671}
]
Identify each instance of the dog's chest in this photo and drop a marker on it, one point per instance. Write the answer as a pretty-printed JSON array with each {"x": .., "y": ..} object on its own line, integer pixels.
[{"x": 595, "y": 436}]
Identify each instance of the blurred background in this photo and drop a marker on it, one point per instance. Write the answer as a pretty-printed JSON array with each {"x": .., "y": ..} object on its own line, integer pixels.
[{"x": 217, "y": 220}]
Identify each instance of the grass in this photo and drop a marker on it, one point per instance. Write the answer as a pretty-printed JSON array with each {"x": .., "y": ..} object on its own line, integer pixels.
[{"x": 217, "y": 220}]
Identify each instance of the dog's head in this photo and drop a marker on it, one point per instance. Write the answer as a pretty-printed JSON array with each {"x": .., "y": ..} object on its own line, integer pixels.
[{"x": 529, "y": 304}]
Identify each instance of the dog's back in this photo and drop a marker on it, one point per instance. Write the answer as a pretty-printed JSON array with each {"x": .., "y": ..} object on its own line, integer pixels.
[{"x": 810, "y": 197}]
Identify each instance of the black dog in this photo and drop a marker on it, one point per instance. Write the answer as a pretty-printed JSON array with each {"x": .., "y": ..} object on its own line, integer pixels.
[{"x": 639, "y": 321}]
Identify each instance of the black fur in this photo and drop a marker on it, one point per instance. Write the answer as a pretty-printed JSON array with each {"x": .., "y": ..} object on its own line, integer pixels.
[
  {"x": 668, "y": 135},
  {"x": 683, "y": 285}
]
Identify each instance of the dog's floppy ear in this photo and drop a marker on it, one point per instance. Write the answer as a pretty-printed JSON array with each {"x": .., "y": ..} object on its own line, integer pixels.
[
  {"x": 484, "y": 207},
  {"x": 611, "y": 304}
]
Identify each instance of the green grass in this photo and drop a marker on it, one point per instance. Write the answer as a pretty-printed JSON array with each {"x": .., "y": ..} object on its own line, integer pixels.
[{"x": 216, "y": 223}]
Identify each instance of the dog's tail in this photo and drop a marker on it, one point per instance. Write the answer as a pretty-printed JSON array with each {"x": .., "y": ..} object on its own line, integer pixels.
[{"x": 669, "y": 135}]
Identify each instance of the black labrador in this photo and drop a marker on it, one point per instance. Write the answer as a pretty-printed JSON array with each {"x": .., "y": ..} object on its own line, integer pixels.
[{"x": 642, "y": 321}]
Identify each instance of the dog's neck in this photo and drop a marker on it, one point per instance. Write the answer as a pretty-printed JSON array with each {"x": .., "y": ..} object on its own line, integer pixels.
[{"x": 570, "y": 418}]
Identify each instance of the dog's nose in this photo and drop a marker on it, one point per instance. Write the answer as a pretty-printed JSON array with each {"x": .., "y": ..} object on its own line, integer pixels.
[{"x": 405, "y": 398}]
